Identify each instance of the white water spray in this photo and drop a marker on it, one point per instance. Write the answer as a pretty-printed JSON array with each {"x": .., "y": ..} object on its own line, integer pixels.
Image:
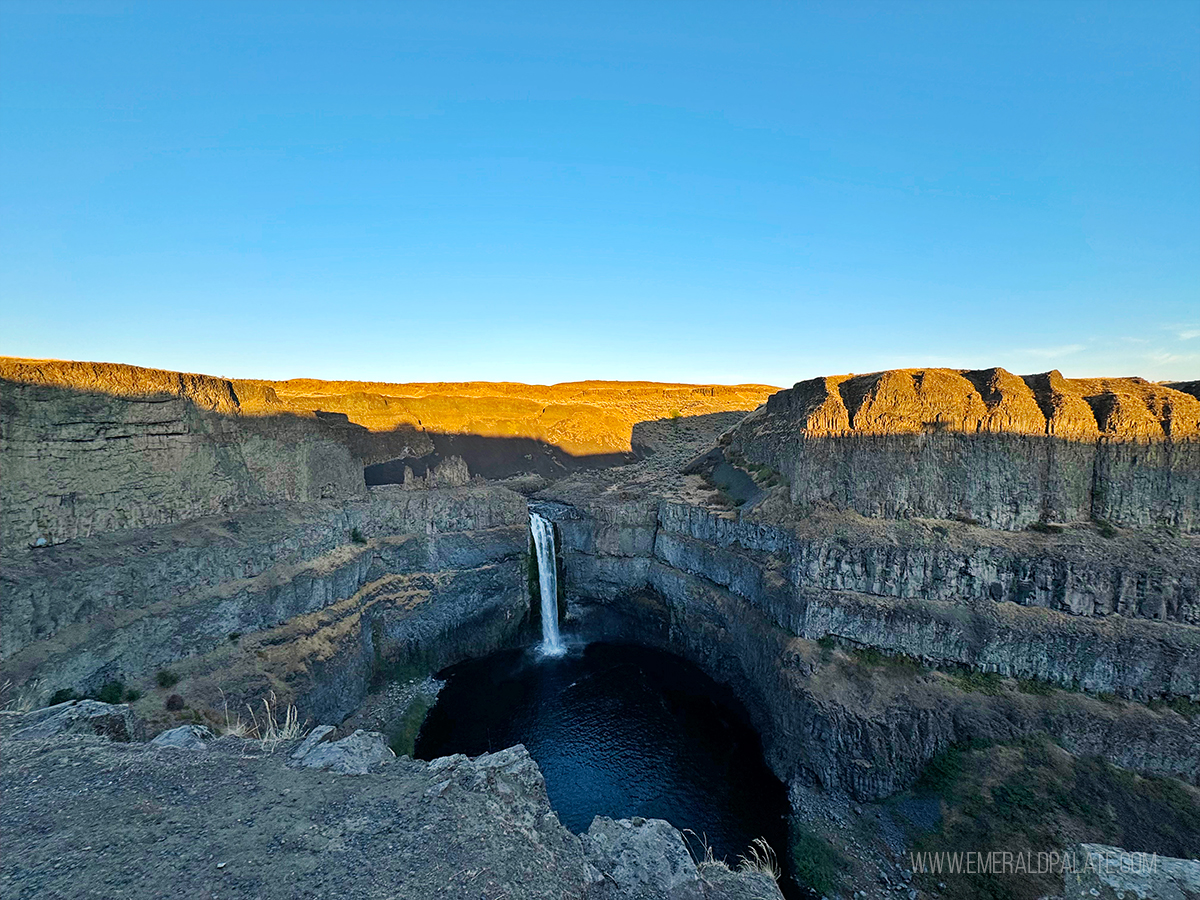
[{"x": 543, "y": 543}]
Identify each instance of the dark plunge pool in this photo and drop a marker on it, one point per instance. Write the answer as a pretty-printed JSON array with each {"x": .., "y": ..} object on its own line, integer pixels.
[{"x": 618, "y": 731}]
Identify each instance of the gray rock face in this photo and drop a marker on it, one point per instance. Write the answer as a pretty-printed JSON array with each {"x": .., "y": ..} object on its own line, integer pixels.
[
  {"x": 1002, "y": 450},
  {"x": 441, "y": 575},
  {"x": 930, "y": 600},
  {"x": 913, "y": 563},
  {"x": 625, "y": 859},
  {"x": 1110, "y": 873},
  {"x": 728, "y": 595},
  {"x": 314, "y": 737},
  {"x": 645, "y": 858},
  {"x": 115, "y": 722},
  {"x": 185, "y": 737},
  {"x": 513, "y": 767},
  {"x": 358, "y": 754},
  {"x": 455, "y": 827},
  {"x": 45, "y": 591},
  {"x": 90, "y": 448}
]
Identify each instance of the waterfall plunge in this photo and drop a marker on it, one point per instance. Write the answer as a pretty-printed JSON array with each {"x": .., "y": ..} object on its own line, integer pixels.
[{"x": 543, "y": 543}]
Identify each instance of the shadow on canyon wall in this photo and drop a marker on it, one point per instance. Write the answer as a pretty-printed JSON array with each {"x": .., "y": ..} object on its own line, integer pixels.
[
  {"x": 119, "y": 452},
  {"x": 501, "y": 457},
  {"x": 491, "y": 457}
]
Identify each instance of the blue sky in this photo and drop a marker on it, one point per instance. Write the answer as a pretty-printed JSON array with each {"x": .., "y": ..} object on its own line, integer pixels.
[{"x": 545, "y": 192}]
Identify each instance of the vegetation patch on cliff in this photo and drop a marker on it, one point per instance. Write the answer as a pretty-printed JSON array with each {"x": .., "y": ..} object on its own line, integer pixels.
[{"x": 1033, "y": 797}]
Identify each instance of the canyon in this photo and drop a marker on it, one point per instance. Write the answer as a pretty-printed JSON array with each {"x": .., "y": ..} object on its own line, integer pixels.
[{"x": 882, "y": 567}]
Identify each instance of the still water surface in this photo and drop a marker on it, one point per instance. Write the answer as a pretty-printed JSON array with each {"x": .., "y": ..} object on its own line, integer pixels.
[{"x": 618, "y": 731}]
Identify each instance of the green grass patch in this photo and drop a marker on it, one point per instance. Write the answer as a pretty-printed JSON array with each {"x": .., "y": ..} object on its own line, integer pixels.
[
  {"x": 816, "y": 863},
  {"x": 165, "y": 678},
  {"x": 1044, "y": 528},
  {"x": 110, "y": 692},
  {"x": 1031, "y": 795},
  {"x": 357, "y": 536},
  {"x": 402, "y": 737},
  {"x": 894, "y": 662},
  {"x": 1035, "y": 686},
  {"x": 1189, "y": 709},
  {"x": 989, "y": 683}
]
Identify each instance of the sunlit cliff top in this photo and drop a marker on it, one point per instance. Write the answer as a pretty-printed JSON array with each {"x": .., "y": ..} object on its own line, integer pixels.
[
  {"x": 908, "y": 401},
  {"x": 581, "y": 417}
]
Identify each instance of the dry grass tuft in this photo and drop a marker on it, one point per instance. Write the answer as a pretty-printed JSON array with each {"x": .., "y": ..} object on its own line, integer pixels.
[
  {"x": 271, "y": 731},
  {"x": 236, "y": 728},
  {"x": 23, "y": 700},
  {"x": 707, "y": 859},
  {"x": 274, "y": 731},
  {"x": 760, "y": 858}
]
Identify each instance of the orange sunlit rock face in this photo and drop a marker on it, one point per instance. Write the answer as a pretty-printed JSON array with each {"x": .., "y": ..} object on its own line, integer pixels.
[
  {"x": 911, "y": 401},
  {"x": 93, "y": 447},
  {"x": 985, "y": 446},
  {"x": 585, "y": 417},
  {"x": 582, "y": 418}
]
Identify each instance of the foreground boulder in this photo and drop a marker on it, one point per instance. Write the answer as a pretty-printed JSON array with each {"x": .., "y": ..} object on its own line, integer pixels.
[
  {"x": 1110, "y": 873},
  {"x": 129, "y": 819},
  {"x": 185, "y": 737},
  {"x": 358, "y": 754},
  {"x": 643, "y": 858}
]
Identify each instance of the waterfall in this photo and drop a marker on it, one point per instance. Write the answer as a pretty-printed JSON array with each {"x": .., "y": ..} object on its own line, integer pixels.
[{"x": 543, "y": 543}]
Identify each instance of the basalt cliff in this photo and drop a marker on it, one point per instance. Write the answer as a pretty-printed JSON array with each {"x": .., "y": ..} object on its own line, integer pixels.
[
  {"x": 883, "y": 567},
  {"x": 985, "y": 446}
]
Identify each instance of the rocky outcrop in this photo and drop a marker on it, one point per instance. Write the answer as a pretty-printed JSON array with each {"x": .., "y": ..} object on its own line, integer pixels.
[
  {"x": 1187, "y": 387},
  {"x": 453, "y": 827},
  {"x": 90, "y": 448},
  {"x": 121, "y": 574},
  {"x": 579, "y": 418},
  {"x": 185, "y": 737},
  {"x": 643, "y": 856},
  {"x": 986, "y": 446},
  {"x": 112, "y": 721},
  {"x": 309, "y": 600},
  {"x": 355, "y": 754},
  {"x": 1062, "y": 610},
  {"x": 1111, "y": 873},
  {"x": 451, "y": 472},
  {"x": 648, "y": 859}
]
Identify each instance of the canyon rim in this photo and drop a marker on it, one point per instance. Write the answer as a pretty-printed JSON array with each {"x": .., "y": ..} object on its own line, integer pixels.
[{"x": 959, "y": 608}]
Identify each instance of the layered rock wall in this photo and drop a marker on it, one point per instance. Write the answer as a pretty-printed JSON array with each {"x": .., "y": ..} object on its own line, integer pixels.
[
  {"x": 90, "y": 448},
  {"x": 308, "y": 599},
  {"x": 747, "y": 601},
  {"x": 985, "y": 446},
  {"x": 579, "y": 418}
]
